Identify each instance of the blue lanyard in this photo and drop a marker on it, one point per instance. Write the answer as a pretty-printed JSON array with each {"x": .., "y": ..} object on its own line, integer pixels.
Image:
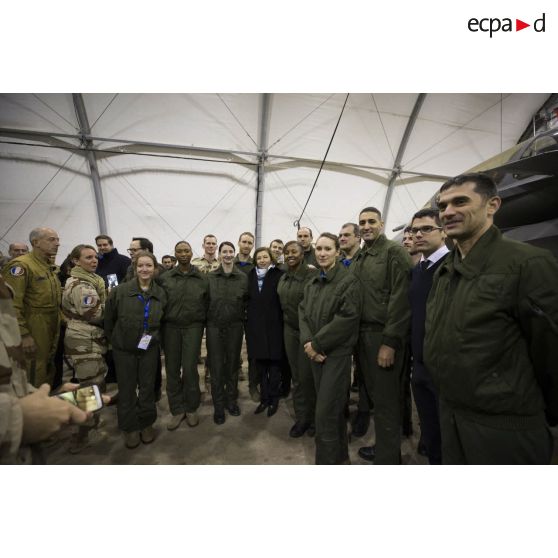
[{"x": 145, "y": 312}]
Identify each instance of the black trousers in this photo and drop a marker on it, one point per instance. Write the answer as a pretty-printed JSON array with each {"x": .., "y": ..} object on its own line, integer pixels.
[
  {"x": 426, "y": 400},
  {"x": 270, "y": 377}
]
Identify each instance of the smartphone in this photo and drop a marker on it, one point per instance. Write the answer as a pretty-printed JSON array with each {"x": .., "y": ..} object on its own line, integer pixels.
[
  {"x": 87, "y": 398},
  {"x": 112, "y": 280}
]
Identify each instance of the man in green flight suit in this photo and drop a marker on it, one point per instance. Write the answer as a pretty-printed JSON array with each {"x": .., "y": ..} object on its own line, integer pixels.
[
  {"x": 491, "y": 342},
  {"x": 37, "y": 297},
  {"x": 383, "y": 266}
]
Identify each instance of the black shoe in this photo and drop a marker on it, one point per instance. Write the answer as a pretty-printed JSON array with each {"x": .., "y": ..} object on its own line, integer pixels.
[
  {"x": 311, "y": 431},
  {"x": 368, "y": 453},
  {"x": 272, "y": 409},
  {"x": 361, "y": 424},
  {"x": 298, "y": 429},
  {"x": 219, "y": 418},
  {"x": 234, "y": 410},
  {"x": 260, "y": 408}
]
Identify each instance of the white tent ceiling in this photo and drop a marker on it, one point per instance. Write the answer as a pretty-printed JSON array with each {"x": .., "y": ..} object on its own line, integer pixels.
[{"x": 175, "y": 166}]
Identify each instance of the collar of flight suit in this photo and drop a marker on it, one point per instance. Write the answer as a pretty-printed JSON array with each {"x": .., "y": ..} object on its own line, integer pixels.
[{"x": 476, "y": 259}]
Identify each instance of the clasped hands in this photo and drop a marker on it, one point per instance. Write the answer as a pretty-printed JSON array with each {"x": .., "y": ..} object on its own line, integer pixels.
[{"x": 312, "y": 354}]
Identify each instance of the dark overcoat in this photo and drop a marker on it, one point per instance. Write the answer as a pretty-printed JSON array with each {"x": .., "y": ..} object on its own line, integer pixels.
[{"x": 264, "y": 329}]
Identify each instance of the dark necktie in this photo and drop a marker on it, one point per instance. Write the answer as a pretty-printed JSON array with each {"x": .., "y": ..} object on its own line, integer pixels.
[{"x": 424, "y": 265}]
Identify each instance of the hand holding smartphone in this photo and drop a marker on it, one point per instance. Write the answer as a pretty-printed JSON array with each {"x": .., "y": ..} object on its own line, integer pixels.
[{"x": 87, "y": 398}]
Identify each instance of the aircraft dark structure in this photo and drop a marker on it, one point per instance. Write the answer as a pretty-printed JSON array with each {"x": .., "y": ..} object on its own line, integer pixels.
[
  {"x": 528, "y": 185},
  {"x": 527, "y": 179}
]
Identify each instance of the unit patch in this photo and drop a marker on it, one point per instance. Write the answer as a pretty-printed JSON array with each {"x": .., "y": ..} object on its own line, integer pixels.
[
  {"x": 17, "y": 271},
  {"x": 88, "y": 301}
]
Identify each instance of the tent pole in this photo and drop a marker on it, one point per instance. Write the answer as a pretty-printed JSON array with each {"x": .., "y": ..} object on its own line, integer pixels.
[
  {"x": 400, "y": 152},
  {"x": 91, "y": 159},
  {"x": 262, "y": 146}
]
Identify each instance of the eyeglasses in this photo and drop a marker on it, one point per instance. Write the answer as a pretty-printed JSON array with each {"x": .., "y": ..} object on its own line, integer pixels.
[
  {"x": 132, "y": 251},
  {"x": 426, "y": 229}
]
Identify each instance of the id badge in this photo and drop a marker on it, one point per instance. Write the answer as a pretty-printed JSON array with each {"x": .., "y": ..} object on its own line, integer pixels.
[{"x": 144, "y": 341}]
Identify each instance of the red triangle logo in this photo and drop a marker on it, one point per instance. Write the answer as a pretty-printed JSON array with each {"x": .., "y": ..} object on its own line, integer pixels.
[{"x": 519, "y": 25}]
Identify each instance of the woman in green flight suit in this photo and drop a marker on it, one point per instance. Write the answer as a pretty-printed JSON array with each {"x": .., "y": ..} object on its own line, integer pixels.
[
  {"x": 133, "y": 316},
  {"x": 329, "y": 316}
]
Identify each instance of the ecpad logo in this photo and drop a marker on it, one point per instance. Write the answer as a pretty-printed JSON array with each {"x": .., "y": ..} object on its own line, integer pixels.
[{"x": 493, "y": 25}]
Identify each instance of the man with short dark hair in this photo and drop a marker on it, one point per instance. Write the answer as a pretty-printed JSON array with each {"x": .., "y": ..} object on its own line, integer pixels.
[
  {"x": 383, "y": 267},
  {"x": 304, "y": 237},
  {"x": 349, "y": 240},
  {"x": 429, "y": 240},
  {"x": 276, "y": 246},
  {"x": 491, "y": 342},
  {"x": 409, "y": 245},
  {"x": 243, "y": 259},
  {"x": 168, "y": 262},
  {"x": 208, "y": 261},
  {"x": 110, "y": 261}
]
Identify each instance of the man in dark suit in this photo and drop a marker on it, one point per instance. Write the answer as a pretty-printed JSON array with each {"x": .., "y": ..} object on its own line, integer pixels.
[{"x": 429, "y": 239}]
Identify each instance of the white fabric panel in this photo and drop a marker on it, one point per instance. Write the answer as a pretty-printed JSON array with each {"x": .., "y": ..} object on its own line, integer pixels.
[
  {"x": 200, "y": 120},
  {"x": 455, "y": 132},
  {"x": 337, "y": 199},
  {"x": 167, "y": 200},
  {"x": 66, "y": 205},
  {"x": 41, "y": 112}
]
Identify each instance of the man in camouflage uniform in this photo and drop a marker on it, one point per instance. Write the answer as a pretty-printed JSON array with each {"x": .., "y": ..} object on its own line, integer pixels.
[
  {"x": 37, "y": 296},
  {"x": 208, "y": 262},
  {"x": 27, "y": 416}
]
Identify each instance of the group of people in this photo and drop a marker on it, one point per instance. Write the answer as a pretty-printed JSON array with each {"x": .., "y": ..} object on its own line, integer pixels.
[{"x": 474, "y": 328}]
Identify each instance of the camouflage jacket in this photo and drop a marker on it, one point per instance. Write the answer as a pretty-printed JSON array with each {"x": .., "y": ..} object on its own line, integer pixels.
[
  {"x": 83, "y": 304},
  {"x": 13, "y": 384},
  {"x": 204, "y": 265}
]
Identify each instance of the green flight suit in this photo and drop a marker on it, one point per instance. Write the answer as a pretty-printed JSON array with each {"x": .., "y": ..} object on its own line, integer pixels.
[
  {"x": 228, "y": 295},
  {"x": 185, "y": 316},
  {"x": 310, "y": 257},
  {"x": 135, "y": 368},
  {"x": 291, "y": 291},
  {"x": 329, "y": 315},
  {"x": 384, "y": 270},
  {"x": 253, "y": 377},
  {"x": 491, "y": 346},
  {"x": 37, "y": 298}
]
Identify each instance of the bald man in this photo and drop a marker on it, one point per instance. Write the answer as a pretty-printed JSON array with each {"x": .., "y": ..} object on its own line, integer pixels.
[{"x": 37, "y": 297}]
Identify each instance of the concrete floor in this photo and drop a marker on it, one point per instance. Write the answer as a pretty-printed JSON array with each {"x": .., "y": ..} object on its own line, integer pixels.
[{"x": 245, "y": 440}]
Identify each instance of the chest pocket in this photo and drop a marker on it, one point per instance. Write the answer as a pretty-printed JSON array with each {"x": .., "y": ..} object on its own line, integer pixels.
[{"x": 493, "y": 286}]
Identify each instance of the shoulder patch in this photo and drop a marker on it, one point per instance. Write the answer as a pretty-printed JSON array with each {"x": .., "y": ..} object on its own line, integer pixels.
[
  {"x": 88, "y": 301},
  {"x": 17, "y": 271}
]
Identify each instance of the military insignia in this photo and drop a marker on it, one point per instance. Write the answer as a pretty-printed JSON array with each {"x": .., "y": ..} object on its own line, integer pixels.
[
  {"x": 17, "y": 271},
  {"x": 87, "y": 300}
]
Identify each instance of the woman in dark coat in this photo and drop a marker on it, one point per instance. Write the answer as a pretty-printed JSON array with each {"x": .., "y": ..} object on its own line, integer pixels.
[{"x": 264, "y": 330}]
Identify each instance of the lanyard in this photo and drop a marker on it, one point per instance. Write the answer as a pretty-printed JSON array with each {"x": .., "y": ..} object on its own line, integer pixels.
[{"x": 146, "y": 304}]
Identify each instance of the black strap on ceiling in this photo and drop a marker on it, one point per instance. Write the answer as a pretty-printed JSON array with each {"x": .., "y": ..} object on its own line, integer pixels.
[{"x": 297, "y": 222}]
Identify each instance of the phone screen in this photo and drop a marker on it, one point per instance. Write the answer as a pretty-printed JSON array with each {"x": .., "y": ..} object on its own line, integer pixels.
[{"x": 87, "y": 398}]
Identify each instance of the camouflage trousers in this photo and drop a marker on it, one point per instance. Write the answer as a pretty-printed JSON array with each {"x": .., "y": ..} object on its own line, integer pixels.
[{"x": 86, "y": 355}]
